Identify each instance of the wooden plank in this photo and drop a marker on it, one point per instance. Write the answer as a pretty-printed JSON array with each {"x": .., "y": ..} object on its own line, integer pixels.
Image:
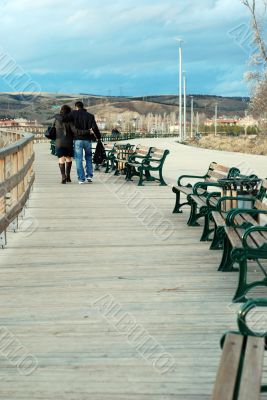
[
  {"x": 228, "y": 368},
  {"x": 252, "y": 369},
  {"x": 218, "y": 218},
  {"x": 89, "y": 242},
  {"x": 233, "y": 236},
  {"x": 217, "y": 175},
  {"x": 220, "y": 167},
  {"x": 259, "y": 205},
  {"x": 184, "y": 189},
  {"x": 199, "y": 200}
]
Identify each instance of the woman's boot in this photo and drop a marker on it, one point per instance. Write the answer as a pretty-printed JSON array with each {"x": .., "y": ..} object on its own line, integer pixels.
[
  {"x": 63, "y": 173},
  {"x": 68, "y": 169}
]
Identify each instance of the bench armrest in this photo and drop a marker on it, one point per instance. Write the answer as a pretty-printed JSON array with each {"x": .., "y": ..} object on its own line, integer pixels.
[
  {"x": 225, "y": 198},
  {"x": 205, "y": 185},
  {"x": 154, "y": 160},
  {"x": 233, "y": 213},
  {"x": 251, "y": 230},
  {"x": 210, "y": 196},
  {"x": 189, "y": 176},
  {"x": 242, "y": 314},
  {"x": 133, "y": 156}
]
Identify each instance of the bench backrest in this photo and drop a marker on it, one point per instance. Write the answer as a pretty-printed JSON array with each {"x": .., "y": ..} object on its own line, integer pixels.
[
  {"x": 142, "y": 150},
  {"x": 218, "y": 171},
  {"x": 158, "y": 154}
]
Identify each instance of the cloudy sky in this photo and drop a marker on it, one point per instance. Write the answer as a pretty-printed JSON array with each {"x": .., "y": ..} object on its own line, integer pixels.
[{"x": 127, "y": 47}]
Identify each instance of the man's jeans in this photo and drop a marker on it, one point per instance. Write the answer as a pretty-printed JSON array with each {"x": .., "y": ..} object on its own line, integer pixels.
[{"x": 83, "y": 147}]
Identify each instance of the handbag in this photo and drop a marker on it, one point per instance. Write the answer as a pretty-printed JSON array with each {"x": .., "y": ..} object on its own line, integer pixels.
[
  {"x": 100, "y": 153},
  {"x": 51, "y": 132}
]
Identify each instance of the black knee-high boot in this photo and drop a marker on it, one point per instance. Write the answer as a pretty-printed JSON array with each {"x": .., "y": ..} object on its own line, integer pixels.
[
  {"x": 63, "y": 172},
  {"x": 68, "y": 169}
]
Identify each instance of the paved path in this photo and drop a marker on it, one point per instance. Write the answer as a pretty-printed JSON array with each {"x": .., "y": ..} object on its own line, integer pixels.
[
  {"x": 112, "y": 305},
  {"x": 188, "y": 159}
]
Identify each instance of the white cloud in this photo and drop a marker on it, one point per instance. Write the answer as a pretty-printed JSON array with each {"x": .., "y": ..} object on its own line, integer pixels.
[{"x": 122, "y": 37}]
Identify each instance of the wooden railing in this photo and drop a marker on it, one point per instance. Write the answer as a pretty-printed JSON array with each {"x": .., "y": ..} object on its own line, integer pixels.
[{"x": 16, "y": 177}]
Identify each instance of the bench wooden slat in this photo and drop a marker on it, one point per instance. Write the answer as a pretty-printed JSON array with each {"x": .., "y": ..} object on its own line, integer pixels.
[
  {"x": 213, "y": 201},
  {"x": 218, "y": 218},
  {"x": 260, "y": 205},
  {"x": 252, "y": 241},
  {"x": 233, "y": 237},
  {"x": 252, "y": 369},
  {"x": 187, "y": 190},
  {"x": 199, "y": 200},
  {"x": 258, "y": 238},
  {"x": 227, "y": 373},
  {"x": 255, "y": 239},
  {"x": 249, "y": 218},
  {"x": 220, "y": 167},
  {"x": 217, "y": 175}
]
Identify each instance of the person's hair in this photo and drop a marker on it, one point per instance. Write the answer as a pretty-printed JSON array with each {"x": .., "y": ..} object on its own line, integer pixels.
[
  {"x": 65, "y": 109},
  {"x": 79, "y": 104}
]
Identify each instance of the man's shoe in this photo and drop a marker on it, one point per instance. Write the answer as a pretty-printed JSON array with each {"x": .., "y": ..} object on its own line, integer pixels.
[
  {"x": 90, "y": 180},
  {"x": 81, "y": 182}
]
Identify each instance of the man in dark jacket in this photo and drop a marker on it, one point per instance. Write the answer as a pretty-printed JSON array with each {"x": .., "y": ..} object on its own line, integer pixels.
[{"x": 83, "y": 122}]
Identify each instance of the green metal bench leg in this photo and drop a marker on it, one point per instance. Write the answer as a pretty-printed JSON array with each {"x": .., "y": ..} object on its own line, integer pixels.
[
  {"x": 242, "y": 287},
  {"x": 207, "y": 230},
  {"x": 177, "y": 205},
  {"x": 192, "y": 221},
  {"x": 162, "y": 182},
  {"x": 218, "y": 238},
  {"x": 141, "y": 178},
  {"x": 226, "y": 262}
]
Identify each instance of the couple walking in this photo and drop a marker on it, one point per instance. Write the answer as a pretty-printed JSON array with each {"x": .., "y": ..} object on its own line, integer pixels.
[{"x": 73, "y": 137}]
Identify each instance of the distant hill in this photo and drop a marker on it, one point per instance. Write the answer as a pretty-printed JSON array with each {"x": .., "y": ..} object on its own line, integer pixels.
[{"x": 44, "y": 106}]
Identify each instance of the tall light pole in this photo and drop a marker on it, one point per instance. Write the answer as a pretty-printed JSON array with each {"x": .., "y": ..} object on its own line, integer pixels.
[
  {"x": 192, "y": 116},
  {"x": 215, "y": 119},
  {"x": 184, "y": 83},
  {"x": 180, "y": 87}
]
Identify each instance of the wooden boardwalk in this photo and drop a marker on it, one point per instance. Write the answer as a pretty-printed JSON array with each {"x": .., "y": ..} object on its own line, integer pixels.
[{"x": 82, "y": 246}]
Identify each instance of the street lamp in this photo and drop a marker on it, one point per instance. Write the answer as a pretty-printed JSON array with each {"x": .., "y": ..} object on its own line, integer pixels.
[
  {"x": 184, "y": 82},
  {"x": 215, "y": 119},
  {"x": 192, "y": 116},
  {"x": 180, "y": 87}
]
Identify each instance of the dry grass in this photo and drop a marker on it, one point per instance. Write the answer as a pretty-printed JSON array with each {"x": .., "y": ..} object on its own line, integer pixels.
[{"x": 249, "y": 144}]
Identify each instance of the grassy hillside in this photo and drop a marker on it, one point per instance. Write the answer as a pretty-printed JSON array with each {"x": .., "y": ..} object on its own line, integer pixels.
[{"x": 46, "y": 105}]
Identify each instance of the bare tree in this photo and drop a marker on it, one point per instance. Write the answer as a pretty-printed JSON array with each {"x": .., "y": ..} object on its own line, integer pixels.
[
  {"x": 256, "y": 24},
  {"x": 258, "y": 105}
]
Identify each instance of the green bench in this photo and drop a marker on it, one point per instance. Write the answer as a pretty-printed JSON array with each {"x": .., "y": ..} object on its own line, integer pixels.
[
  {"x": 153, "y": 161},
  {"x": 222, "y": 209},
  {"x": 239, "y": 376},
  {"x": 240, "y": 370},
  {"x": 245, "y": 239},
  {"x": 135, "y": 160},
  {"x": 201, "y": 198},
  {"x": 110, "y": 149},
  {"x": 185, "y": 183},
  {"x": 121, "y": 157},
  {"x": 209, "y": 201}
]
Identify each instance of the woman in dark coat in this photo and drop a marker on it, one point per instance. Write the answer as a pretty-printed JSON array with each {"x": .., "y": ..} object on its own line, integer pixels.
[{"x": 64, "y": 144}]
